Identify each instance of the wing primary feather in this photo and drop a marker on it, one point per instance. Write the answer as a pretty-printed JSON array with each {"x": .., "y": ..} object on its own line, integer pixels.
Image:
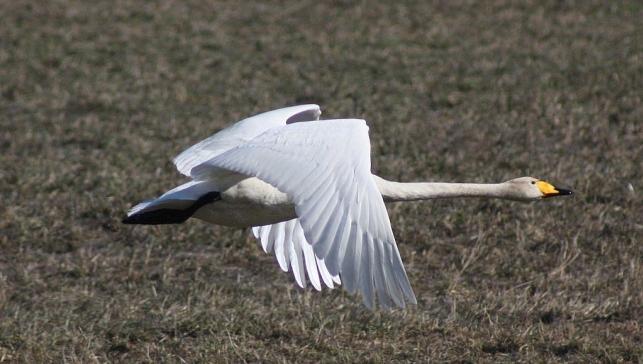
[
  {"x": 326, "y": 277},
  {"x": 322, "y": 233},
  {"x": 330, "y": 226},
  {"x": 272, "y": 237},
  {"x": 279, "y": 244},
  {"x": 337, "y": 279},
  {"x": 403, "y": 279},
  {"x": 265, "y": 237},
  {"x": 279, "y": 234},
  {"x": 352, "y": 260},
  {"x": 394, "y": 289},
  {"x": 365, "y": 271},
  {"x": 400, "y": 275},
  {"x": 336, "y": 256},
  {"x": 383, "y": 292},
  {"x": 296, "y": 261},
  {"x": 328, "y": 236},
  {"x": 311, "y": 265},
  {"x": 365, "y": 213},
  {"x": 283, "y": 256}
]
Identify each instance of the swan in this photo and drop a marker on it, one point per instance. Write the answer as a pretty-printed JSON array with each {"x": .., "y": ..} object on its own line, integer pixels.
[{"x": 306, "y": 189}]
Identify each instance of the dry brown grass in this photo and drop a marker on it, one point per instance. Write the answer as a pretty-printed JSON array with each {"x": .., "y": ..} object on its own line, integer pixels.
[{"x": 96, "y": 97}]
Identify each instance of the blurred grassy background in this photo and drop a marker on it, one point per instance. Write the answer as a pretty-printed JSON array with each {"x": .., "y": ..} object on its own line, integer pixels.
[{"x": 97, "y": 97}]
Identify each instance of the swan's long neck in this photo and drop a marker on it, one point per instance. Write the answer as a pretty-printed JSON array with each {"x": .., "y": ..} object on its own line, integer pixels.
[{"x": 396, "y": 191}]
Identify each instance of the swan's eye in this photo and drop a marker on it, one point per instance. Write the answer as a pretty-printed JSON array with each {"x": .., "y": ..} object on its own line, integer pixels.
[{"x": 533, "y": 182}]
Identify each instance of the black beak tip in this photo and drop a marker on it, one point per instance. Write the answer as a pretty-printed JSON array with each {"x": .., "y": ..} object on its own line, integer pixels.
[{"x": 564, "y": 192}]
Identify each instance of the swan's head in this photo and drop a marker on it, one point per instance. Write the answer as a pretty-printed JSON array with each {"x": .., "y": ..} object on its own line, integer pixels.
[{"x": 529, "y": 188}]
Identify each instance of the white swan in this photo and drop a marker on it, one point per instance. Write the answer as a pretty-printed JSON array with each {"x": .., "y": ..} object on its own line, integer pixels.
[{"x": 306, "y": 188}]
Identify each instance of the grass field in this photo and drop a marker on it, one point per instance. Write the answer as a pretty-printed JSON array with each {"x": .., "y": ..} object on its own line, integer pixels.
[{"x": 97, "y": 97}]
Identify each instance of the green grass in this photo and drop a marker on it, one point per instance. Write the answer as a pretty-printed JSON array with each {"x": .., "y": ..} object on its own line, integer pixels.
[{"x": 97, "y": 97}]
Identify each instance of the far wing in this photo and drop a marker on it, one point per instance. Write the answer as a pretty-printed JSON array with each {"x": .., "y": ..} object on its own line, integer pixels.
[
  {"x": 242, "y": 132},
  {"x": 286, "y": 241},
  {"x": 325, "y": 168}
]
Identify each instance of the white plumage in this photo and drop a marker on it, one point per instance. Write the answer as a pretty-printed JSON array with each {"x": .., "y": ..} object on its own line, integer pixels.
[
  {"x": 305, "y": 186},
  {"x": 324, "y": 167}
]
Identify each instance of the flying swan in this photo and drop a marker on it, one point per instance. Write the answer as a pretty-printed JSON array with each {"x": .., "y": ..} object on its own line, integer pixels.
[{"x": 305, "y": 187}]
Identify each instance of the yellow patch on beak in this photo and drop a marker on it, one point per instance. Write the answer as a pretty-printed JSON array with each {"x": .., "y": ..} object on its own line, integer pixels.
[{"x": 546, "y": 188}]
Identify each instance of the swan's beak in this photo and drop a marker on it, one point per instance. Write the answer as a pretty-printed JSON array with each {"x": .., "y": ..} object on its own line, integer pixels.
[{"x": 549, "y": 190}]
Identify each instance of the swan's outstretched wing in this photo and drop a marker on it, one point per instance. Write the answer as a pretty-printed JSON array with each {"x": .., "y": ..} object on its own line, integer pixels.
[
  {"x": 178, "y": 197},
  {"x": 325, "y": 169},
  {"x": 287, "y": 242},
  {"x": 241, "y": 132}
]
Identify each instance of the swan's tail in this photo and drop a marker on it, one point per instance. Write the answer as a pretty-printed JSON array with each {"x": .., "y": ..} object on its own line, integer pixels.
[{"x": 173, "y": 207}]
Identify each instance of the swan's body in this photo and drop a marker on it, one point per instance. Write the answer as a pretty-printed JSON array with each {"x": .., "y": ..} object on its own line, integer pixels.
[
  {"x": 251, "y": 202},
  {"x": 306, "y": 188}
]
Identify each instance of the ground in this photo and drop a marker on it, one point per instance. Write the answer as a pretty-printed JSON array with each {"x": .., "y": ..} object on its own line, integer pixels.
[{"x": 97, "y": 97}]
